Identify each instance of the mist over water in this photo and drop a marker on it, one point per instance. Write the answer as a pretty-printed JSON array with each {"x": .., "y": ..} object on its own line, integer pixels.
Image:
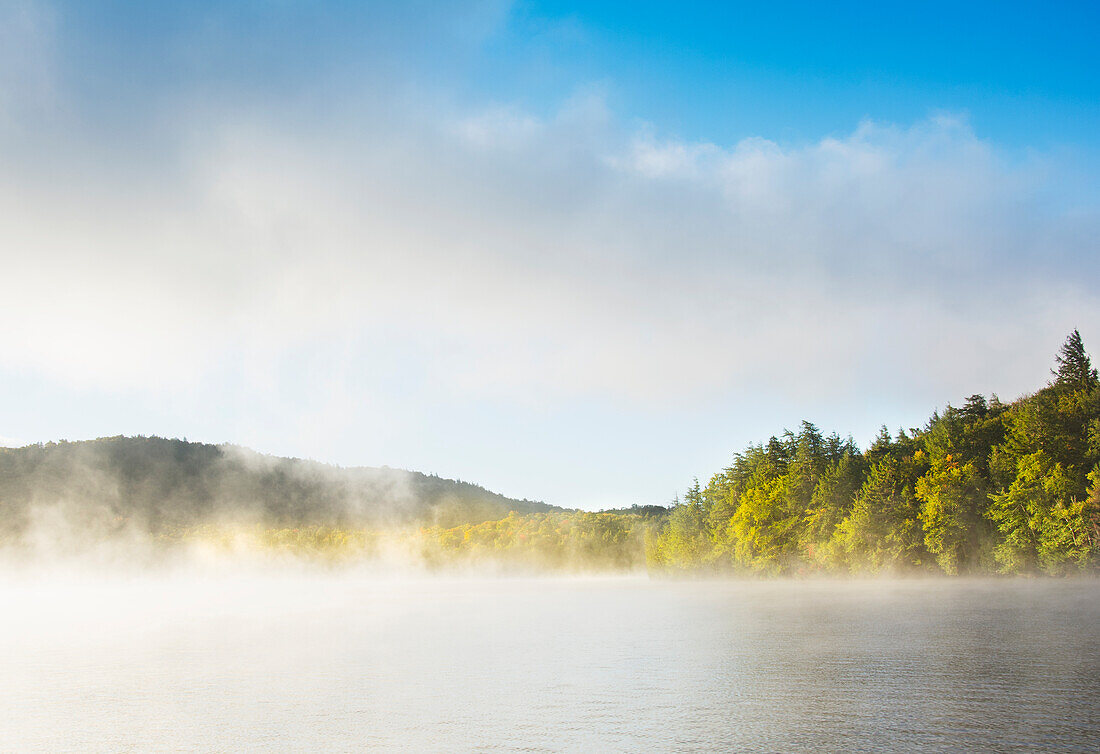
[{"x": 312, "y": 660}]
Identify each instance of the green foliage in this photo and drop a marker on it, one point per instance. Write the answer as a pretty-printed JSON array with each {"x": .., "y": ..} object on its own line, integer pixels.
[
  {"x": 579, "y": 541},
  {"x": 882, "y": 532},
  {"x": 764, "y": 527},
  {"x": 986, "y": 486},
  {"x": 953, "y": 498},
  {"x": 1075, "y": 370},
  {"x": 556, "y": 541},
  {"x": 1044, "y": 522},
  {"x": 830, "y": 504},
  {"x": 155, "y": 484},
  {"x": 685, "y": 544}
]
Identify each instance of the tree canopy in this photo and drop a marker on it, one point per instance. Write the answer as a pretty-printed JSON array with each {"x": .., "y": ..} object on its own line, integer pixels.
[{"x": 983, "y": 487}]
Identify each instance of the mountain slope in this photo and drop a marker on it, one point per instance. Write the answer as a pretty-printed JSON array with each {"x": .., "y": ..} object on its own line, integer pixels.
[{"x": 157, "y": 484}]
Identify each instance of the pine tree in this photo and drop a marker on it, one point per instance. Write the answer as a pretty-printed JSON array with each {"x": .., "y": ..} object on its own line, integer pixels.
[{"x": 1075, "y": 370}]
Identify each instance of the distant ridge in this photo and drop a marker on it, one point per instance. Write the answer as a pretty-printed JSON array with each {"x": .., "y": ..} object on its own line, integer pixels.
[{"x": 156, "y": 484}]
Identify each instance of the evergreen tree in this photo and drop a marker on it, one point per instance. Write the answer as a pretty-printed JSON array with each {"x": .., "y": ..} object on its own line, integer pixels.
[{"x": 1075, "y": 370}]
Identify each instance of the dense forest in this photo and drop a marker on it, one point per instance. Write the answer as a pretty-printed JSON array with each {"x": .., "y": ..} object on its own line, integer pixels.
[
  {"x": 983, "y": 487},
  {"x": 157, "y": 485},
  {"x": 553, "y": 541}
]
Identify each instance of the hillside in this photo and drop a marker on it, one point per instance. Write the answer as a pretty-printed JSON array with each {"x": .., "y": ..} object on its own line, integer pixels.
[
  {"x": 157, "y": 484},
  {"x": 988, "y": 486}
]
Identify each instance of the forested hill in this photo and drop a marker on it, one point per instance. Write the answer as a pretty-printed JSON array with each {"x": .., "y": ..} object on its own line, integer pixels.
[
  {"x": 987, "y": 486},
  {"x": 983, "y": 487},
  {"x": 159, "y": 484}
]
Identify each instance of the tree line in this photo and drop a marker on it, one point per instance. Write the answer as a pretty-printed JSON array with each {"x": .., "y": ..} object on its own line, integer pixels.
[
  {"x": 156, "y": 485},
  {"x": 983, "y": 487},
  {"x": 560, "y": 541}
]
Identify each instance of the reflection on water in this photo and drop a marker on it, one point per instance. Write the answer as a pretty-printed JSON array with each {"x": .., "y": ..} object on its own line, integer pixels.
[{"x": 343, "y": 663}]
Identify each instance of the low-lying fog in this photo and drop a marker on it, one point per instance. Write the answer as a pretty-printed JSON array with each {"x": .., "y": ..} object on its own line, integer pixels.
[{"x": 321, "y": 660}]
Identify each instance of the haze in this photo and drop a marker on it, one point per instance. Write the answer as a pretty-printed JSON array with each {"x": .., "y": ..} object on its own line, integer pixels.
[{"x": 573, "y": 254}]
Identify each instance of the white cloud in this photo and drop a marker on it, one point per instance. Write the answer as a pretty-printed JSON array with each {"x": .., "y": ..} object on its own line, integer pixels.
[
  {"x": 544, "y": 259},
  {"x": 500, "y": 127},
  {"x": 411, "y": 243}
]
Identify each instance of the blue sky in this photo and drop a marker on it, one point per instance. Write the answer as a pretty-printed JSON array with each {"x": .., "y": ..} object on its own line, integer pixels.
[
  {"x": 796, "y": 70},
  {"x": 578, "y": 254}
]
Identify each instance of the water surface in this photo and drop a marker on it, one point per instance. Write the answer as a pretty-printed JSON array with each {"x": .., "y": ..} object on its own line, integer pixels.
[{"x": 348, "y": 663}]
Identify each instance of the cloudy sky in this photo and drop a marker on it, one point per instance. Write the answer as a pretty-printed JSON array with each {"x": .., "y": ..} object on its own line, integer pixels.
[{"x": 577, "y": 254}]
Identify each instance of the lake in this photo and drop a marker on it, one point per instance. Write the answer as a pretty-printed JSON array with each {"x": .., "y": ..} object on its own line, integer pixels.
[{"x": 346, "y": 662}]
